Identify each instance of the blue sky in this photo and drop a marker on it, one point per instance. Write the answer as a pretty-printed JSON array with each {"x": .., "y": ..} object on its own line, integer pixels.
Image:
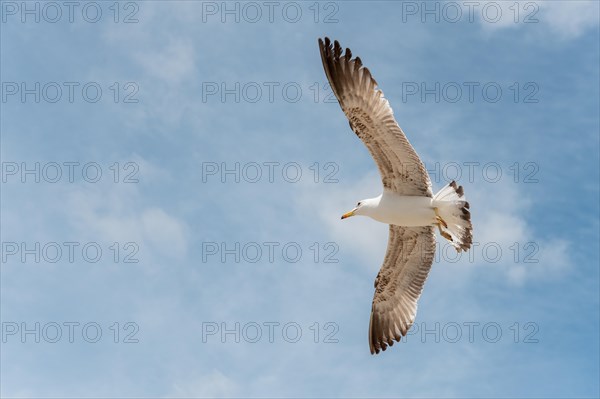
[{"x": 180, "y": 106}]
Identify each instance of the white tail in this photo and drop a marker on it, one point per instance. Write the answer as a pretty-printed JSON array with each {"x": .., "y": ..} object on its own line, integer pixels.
[{"x": 454, "y": 217}]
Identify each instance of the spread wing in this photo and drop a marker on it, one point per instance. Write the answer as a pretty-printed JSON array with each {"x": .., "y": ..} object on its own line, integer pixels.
[
  {"x": 399, "y": 284},
  {"x": 372, "y": 119}
]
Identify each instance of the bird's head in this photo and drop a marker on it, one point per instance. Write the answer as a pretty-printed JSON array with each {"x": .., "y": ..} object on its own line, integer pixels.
[{"x": 362, "y": 208}]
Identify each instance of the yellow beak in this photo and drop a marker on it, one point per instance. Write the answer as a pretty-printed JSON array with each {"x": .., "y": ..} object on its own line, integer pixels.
[{"x": 347, "y": 215}]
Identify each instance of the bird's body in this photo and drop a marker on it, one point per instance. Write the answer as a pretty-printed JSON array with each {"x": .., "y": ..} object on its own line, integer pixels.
[
  {"x": 401, "y": 210},
  {"x": 407, "y": 203}
]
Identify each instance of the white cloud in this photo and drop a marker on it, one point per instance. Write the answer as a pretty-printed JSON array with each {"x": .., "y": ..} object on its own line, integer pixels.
[
  {"x": 500, "y": 217},
  {"x": 163, "y": 231},
  {"x": 569, "y": 19},
  {"x": 174, "y": 63},
  {"x": 565, "y": 19},
  {"x": 212, "y": 385},
  {"x": 361, "y": 237},
  {"x": 118, "y": 212}
]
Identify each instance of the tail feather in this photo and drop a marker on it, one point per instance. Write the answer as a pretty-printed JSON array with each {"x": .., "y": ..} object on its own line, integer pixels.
[{"x": 453, "y": 210}]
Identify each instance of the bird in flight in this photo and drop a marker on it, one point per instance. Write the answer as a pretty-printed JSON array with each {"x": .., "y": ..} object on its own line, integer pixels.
[{"x": 407, "y": 203}]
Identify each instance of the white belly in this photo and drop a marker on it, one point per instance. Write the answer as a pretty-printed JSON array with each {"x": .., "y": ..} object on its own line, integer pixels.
[{"x": 409, "y": 211}]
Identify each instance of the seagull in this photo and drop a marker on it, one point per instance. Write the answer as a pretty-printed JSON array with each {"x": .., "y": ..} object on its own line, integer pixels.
[{"x": 407, "y": 203}]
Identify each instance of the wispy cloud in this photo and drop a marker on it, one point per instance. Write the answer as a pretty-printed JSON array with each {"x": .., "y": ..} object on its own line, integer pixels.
[{"x": 565, "y": 20}]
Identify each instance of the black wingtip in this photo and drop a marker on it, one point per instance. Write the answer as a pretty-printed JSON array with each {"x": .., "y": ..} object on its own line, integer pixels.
[
  {"x": 358, "y": 62},
  {"x": 337, "y": 50}
]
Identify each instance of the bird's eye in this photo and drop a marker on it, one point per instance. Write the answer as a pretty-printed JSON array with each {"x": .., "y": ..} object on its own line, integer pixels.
[{"x": 358, "y": 204}]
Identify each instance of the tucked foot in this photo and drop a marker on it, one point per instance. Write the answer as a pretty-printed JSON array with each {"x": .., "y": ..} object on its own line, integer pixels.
[
  {"x": 439, "y": 219},
  {"x": 444, "y": 234}
]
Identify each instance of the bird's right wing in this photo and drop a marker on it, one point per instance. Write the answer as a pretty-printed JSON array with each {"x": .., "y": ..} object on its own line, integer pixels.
[
  {"x": 372, "y": 119},
  {"x": 399, "y": 284}
]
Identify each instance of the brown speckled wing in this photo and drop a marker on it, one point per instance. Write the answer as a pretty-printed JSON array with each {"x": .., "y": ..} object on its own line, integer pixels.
[
  {"x": 372, "y": 119},
  {"x": 399, "y": 284}
]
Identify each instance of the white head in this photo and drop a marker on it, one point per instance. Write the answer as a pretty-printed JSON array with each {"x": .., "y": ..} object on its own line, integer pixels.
[{"x": 364, "y": 208}]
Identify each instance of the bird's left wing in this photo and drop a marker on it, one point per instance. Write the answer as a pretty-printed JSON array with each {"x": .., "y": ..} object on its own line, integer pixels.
[
  {"x": 399, "y": 284},
  {"x": 372, "y": 119}
]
